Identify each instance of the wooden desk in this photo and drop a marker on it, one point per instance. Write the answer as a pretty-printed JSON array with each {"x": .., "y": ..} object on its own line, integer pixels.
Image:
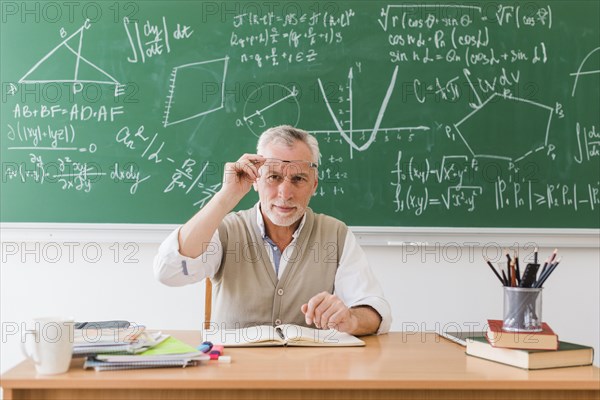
[{"x": 411, "y": 366}]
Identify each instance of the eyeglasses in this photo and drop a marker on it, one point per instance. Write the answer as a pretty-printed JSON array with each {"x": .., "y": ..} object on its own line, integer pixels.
[
  {"x": 275, "y": 161},
  {"x": 296, "y": 174}
]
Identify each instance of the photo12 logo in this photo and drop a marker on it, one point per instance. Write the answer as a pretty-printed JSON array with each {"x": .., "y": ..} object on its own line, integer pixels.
[
  {"x": 66, "y": 11},
  {"x": 69, "y": 252}
]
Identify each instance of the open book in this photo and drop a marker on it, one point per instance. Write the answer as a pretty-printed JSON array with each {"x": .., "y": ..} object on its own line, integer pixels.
[{"x": 281, "y": 335}]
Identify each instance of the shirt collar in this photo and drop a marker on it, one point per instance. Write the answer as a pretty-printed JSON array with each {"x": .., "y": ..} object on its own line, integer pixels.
[{"x": 261, "y": 224}]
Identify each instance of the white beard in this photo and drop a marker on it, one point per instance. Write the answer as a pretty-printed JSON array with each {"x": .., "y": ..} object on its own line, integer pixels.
[{"x": 281, "y": 220}]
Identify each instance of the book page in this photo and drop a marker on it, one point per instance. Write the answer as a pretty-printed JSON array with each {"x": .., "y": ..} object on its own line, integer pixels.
[
  {"x": 302, "y": 336},
  {"x": 262, "y": 335}
]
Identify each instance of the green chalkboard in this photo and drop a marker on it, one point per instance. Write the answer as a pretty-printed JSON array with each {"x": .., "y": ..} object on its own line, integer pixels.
[{"x": 428, "y": 114}]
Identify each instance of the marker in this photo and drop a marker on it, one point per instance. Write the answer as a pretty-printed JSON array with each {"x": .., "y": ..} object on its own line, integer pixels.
[
  {"x": 205, "y": 347},
  {"x": 216, "y": 352}
]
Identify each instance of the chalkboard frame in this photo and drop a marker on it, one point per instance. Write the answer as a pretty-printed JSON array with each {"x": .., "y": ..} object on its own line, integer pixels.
[
  {"x": 409, "y": 238},
  {"x": 369, "y": 210}
]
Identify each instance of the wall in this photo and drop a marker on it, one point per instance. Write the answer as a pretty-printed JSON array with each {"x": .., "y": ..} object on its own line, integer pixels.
[{"x": 429, "y": 289}]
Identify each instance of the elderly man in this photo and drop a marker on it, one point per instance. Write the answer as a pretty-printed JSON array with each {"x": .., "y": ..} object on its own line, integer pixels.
[{"x": 278, "y": 262}]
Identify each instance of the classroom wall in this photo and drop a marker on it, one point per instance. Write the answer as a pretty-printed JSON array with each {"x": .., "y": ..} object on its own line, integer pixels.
[{"x": 430, "y": 289}]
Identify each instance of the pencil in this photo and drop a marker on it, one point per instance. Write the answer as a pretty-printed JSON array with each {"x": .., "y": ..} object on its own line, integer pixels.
[
  {"x": 494, "y": 270},
  {"x": 545, "y": 266},
  {"x": 517, "y": 268},
  {"x": 504, "y": 278},
  {"x": 543, "y": 278},
  {"x": 535, "y": 256},
  {"x": 549, "y": 260},
  {"x": 513, "y": 274},
  {"x": 554, "y": 255}
]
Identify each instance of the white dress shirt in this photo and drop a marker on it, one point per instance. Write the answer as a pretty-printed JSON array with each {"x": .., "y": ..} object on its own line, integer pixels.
[{"x": 355, "y": 284}]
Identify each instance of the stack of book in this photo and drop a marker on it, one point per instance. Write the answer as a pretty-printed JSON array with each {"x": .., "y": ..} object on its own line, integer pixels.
[
  {"x": 170, "y": 352},
  {"x": 131, "y": 340},
  {"x": 132, "y": 348},
  {"x": 91, "y": 341},
  {"x": 528, "y": 350}
]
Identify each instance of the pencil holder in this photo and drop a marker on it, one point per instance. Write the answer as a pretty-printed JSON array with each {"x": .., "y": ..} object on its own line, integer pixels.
[{"x": 522, "y": 309}]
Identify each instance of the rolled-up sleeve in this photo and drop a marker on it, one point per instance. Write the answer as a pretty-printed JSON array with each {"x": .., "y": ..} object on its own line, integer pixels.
[
  {"x": 174, "y": 269},
  {"x": 356, "y": 285}
]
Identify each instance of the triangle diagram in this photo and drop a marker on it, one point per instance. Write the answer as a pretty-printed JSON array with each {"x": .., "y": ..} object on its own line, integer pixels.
[
  {"x": 57, "y": 67},
  {"x": 63, "y": 64},
  {"x": 88, "y": 72}
]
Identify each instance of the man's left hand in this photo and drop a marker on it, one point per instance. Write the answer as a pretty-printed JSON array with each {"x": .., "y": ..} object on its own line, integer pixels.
[{"x": 327, "y": 311}]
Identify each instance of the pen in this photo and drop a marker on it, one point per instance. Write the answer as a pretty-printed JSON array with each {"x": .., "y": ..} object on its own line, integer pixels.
[
  {"x": 535, "y": 255},
  {"x": 280, "y": 333}
]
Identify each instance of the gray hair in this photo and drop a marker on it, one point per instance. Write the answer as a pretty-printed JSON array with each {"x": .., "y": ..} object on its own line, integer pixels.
[{"x": 288, "y": 135}]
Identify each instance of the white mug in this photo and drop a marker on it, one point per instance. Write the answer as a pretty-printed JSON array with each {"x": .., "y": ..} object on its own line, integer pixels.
[{"x": 53, "y": 344}]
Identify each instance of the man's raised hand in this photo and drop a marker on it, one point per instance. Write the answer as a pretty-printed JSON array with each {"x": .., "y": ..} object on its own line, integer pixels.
[{"x": 239, "y": 175}]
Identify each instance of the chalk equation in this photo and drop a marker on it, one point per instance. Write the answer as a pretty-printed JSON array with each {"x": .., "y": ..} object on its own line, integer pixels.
[{"x": 427, "y": 114}]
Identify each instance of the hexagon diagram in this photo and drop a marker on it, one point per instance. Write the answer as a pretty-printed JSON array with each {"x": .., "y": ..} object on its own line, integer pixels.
[{"x": 506, "y": 127}]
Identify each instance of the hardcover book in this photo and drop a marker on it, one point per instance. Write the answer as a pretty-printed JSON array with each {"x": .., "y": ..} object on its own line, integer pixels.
[
  {"x": 567, "y": 355},
  {"x": 544, "y": 340}
]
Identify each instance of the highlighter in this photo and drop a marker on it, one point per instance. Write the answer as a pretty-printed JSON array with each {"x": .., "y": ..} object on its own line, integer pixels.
[
  {"x": 217, "y": 350},
  {"x": 205, "y": 347}
]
